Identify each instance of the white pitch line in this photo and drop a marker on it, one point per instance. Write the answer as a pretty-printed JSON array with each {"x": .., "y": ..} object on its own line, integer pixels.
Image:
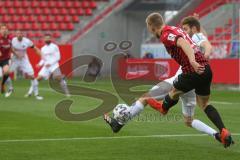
[
  {"x": 224, "y": 102},
  {"x": 106, "y": 138}
]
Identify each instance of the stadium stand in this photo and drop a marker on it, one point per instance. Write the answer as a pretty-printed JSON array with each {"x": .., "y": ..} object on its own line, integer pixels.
[{"x": 50, "y": 16}]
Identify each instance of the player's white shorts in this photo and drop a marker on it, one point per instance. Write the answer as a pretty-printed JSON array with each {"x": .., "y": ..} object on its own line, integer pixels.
[
  {"x": 188, "y": 99},
  {"x": 46, "y": 72},
  {"x": 21, "y": 64}
]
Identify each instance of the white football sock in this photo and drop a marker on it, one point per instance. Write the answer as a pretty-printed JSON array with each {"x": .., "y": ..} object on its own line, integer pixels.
[
  {"x": 202, "y": 127},
  {"x": 9, "y": 83},
  {"x": 136, "y": 108},
  {"x": 64, "y": 87},
  {"x": 35, "y": 87}
]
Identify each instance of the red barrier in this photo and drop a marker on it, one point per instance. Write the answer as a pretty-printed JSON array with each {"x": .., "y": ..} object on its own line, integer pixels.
[
  {"x": 66, "y": 54},
  {"x": 225, "y": 71}
]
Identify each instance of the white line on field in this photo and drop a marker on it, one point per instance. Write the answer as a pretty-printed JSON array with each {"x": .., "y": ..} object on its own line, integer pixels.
[
  {"x": 224, "y": 102},
  {"x": 105, "y": 138}
]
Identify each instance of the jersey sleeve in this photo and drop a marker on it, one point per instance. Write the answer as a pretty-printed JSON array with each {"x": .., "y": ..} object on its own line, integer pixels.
[
  {"x": 198, "y": 39},
  {"x": 29, "y": 43},
  {"x": 170, "y": 37}
]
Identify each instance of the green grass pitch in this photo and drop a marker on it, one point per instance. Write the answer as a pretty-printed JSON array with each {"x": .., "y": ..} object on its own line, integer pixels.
[{"x": 30, "y": 130}]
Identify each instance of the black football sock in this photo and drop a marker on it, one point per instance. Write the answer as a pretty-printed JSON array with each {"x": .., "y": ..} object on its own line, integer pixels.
[
  {"x": 5, "y": 77},
  {"x": 168, "y": 102},
  {"x": 215, "y": 117}
]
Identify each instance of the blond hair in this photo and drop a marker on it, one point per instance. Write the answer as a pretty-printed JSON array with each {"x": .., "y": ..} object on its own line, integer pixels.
[{"x": 155, "y": 20}]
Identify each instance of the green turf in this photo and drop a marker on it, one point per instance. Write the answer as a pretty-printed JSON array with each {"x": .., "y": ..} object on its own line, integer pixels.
[{"x": 26, "y": 119}]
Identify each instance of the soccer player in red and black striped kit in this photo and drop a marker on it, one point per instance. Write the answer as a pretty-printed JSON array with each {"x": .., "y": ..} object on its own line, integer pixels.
[
  {"x": 5, "y": 53},
  {"x": 196, "y": 74}
]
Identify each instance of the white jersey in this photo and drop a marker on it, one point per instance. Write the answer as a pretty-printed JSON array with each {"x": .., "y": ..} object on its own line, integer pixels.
[
  {"x": 21, "y": 47},
  {"x": 198, "y": 38},
  {"x": 50, "y": 54}
]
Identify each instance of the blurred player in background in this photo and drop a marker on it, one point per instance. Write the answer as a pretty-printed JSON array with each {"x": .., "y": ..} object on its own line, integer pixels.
[
  {"x": 50, "y": 56},
  {"x": 20, "y": 61},
  {"x": 5, "y": 54}
]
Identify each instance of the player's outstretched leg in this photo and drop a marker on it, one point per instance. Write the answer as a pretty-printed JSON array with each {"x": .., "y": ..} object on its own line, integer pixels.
[
  {"x": 215, "y": 117},
  {"x": 10, "y": 87},
  {"x": 157, "y": 92},
  {"x": 64, "y": 87},
  {"x": 163, "y": 106},
  {"x": 113, "y": 123},
  {"x": 128, "y": 112}
]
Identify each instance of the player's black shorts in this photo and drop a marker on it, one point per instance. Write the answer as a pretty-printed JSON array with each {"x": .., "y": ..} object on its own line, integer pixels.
[
  {"x": 201, "y": 83},
  {"x": 4, "y": 62}
]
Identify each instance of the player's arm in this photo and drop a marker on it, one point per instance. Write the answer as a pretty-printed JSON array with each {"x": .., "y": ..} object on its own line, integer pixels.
[
  {"x": 188, "y": 50},
  {"x": 37, "y": 50},
  {"x": 14, "y": 52},
  {"x": 207, "y": 48}
]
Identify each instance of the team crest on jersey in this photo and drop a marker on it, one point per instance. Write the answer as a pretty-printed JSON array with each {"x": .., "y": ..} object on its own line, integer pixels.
[{"x": 171, "y": 37}]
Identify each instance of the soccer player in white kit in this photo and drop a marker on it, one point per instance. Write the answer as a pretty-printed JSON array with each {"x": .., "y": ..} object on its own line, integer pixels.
[
  {"x": 20, "y": 61},
  {"x": 50, "y": 56},
  {"x": 160, "y": 90}
]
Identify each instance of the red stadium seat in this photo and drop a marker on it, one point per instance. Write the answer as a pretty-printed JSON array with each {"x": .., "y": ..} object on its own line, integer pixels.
[
  {"x": 218, "y": 30},
  {"x": 77, "y": 4},
  {"x": 37, "y": 11},
  {"x": 30, "y": 35},
  {"x": 88, "y": 11},
  {"x": 41, "y": 18},
  {"x": 23, "y": 19},
  {"x": 80, "y": 11},
  {"x": 62, "y": 26},
  {"x": 75, "y": 19},
  {"x": 70, "y": 26},
  {"x": 20, "y": 11},
  {"x": 44, "y": 26},
  {"x": 56, "y": 34},
  {"x": 27, "y": 26},
  {"x": 15, "y": 18},
  {"x": 85, "y": 4},
  {"x": 68, "y": 4},
  {"x": 60, "y": 4},
  {"x": 6, "y": 18},
  {"x": 43, "y": 4},
  {"x": 31, "y": 18},
  {"x": 28, "y": 11},
  {"x": 34, "y": 4},
  {"x": 55, "y": 11},
  {"x": 39, "y": 34},
  {"x": 53, "y": 26},
  {"x": 18, "y": 26},
  {"x": 2, "y": 10},
  {"x": 11, "y": 26},
  {"x": 58, "y": 18},
  {"x": 26, "y": 3},
  {"x": 63, "y": 11},
  {"x": 46, "y": 11},
  {"x": 11, "y": 11},
  {"x": 8, "y": 4},
  {"x": 17, "y": 4},
  {"x": 35, "y": 26},
  {"x": 93, "y": 4},
  {"x": 72, "y": 11},
  {"x": 67, "y": 18},
  {"x": 52, "y": 4},
  {"x": 50, "y": 18}
]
